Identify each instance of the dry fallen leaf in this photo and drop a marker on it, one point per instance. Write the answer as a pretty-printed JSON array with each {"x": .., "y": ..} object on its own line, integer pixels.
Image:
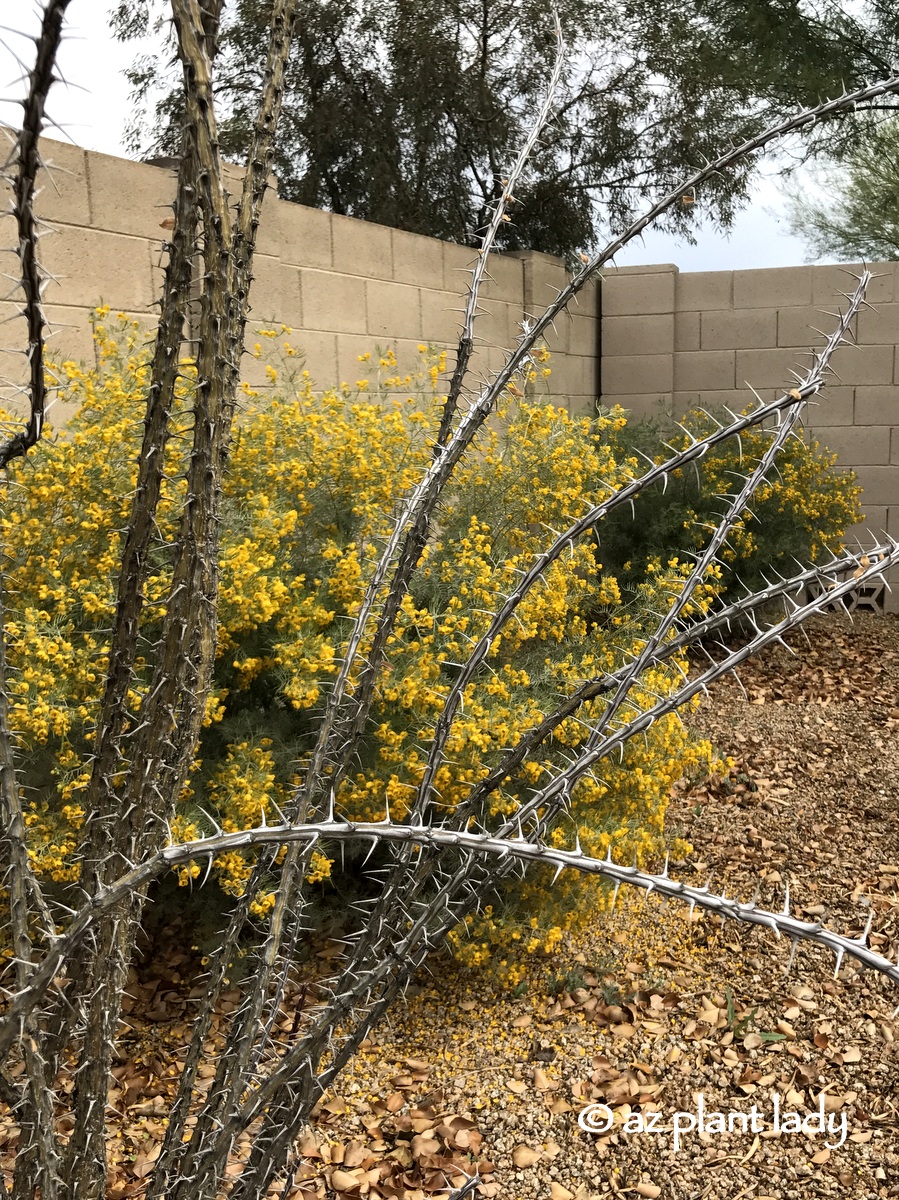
[
  {"x": 342, "y": 1181},
  {"x": 523, "y": 1156}
]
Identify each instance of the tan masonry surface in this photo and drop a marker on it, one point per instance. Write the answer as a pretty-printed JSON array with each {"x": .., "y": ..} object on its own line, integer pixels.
[
  {"x": 665, "y": 338},
  {"x": 676, "y": 340},
  {"x": 344, "y": 286}
]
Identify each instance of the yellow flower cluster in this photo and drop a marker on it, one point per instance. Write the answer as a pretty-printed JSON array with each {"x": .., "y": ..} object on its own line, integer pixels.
[
  {"x": 803, "y": 494},
  {"x": 309, "y": 496}
]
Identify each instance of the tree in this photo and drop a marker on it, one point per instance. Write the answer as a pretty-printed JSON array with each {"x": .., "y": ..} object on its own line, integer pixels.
[
  {"x": 404, "y": 113},
  {"x": 73, "y": 947},
  {"x": 860, "y": 218}
]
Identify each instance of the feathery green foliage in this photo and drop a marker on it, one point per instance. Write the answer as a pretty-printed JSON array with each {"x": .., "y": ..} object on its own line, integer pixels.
[
  {"x": 409, "y": 114},
  {"x": 859, "y": 219}
]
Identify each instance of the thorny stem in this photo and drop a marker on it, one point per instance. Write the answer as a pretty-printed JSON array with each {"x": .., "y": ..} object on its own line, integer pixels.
[
  {"x": 108, "y": 898},
  {"x": 26, "y": 157},
  {"x": 132, "y": 801},
  {"x": 338, "y": 742}
]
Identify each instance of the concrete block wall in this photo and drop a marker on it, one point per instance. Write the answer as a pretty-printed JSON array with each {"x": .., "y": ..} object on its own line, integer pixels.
[
  {"x": 674, "y": 340},
  {"x": 345, "y": 286},
  {"x": 663, "y": 337}
]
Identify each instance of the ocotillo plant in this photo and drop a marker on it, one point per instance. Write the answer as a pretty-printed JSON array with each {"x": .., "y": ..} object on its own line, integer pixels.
[{"x": 71, "y": 959}]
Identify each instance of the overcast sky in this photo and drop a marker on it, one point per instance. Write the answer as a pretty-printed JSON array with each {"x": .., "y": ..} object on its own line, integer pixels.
[{"x": 92, "y": 109}]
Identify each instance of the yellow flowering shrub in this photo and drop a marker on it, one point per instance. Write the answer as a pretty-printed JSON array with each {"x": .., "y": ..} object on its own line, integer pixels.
[
  {"x": 799, "y": 513},
  {"x": 311, "y": 487}
]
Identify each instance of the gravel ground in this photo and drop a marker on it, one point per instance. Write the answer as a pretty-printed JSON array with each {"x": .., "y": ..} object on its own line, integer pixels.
[
  {"x": 662, "y": 1007},
  {"x": 656, "y": 1008}
]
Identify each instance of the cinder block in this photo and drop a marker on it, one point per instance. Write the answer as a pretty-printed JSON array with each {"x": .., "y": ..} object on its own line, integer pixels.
[
  {"x": 610, "y": 272},
  {"x": 504, "y": 279},
  {"x": 485, "y": 362},
  {"x": 683, "y": 402},
  {"x": 772, "y": 287},
  {"x": 295, "y": 233},
  {"x": 351, "y": 371},
  {"x": 870, "y": 529},
  {"x": 71, "y": 337},
  {"x": 95, "y": 267},
  {"x": 253, "y": 369},
  {"x": 588, "y": 302},
  {"x": 633, "y": 295},
  {"x": 864, "y": 364},
  {"x": 361, "y": 248},
  {"x": 738, "y": 328},
  {"x": 834, "y": 405},
  {"x": 806, "y": 326},
  {"x": 831, "y": 283},
  {"x": 333, "y": 302},
  {"x": 417, "y": 259},
  {"x": 877, "y": 405},
  {"x": 275, "y": 294},
  {"x": 880, "y": 485},
  {"x": 581, "y": 406},
  {"x": 771, "y": 368},
  {"x": 867, "y": 445},
  {"x": 558, "y": 337},
  {"x": 583, "y": 335},
  {"x": 880, "y": 325},
  {"x": 653, "y": 404},
  {"x": 566, "y": 381},
  {"x": 458, "y": 262},
  {"x": 13, "y": 363},
  {"x": 637, "y": 374},
  {"x": 350, "y": 346},
  {"x": 496, "y": 324},
  {"x": 584, "y": 376},
  {"x": 408, "y": 359},
  {"x": 393, "y": 310},
  {"x": 544, "y": 276},
  {"x": 441, "y": 316},
  {"x": 701, "y": 290},
  {"x": 319, "y": 351},
  {"x": 63, "y": 193},
  {"x": 130, "y": 197},
  {"x": 703, "y": 369},
  {"x": 638, "y": 335},
  {"x": 686, "y": 330},
  {"x": 894, "y": 444},
  {"x": 736, "y": 400}
]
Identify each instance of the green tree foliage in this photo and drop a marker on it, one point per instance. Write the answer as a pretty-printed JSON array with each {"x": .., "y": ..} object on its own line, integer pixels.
[
  {"x": 860, "y": 217},
  {"x": 408, "y": 114}
]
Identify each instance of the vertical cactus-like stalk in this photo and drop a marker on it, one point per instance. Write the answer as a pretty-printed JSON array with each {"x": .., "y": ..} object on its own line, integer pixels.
[
  {"x": 29, "y": 915},
  {"x": 70, "y": 965}
]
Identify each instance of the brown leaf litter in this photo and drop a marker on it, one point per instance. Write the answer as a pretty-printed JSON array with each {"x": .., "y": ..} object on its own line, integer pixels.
[{"x": 655, "y": 1008}]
